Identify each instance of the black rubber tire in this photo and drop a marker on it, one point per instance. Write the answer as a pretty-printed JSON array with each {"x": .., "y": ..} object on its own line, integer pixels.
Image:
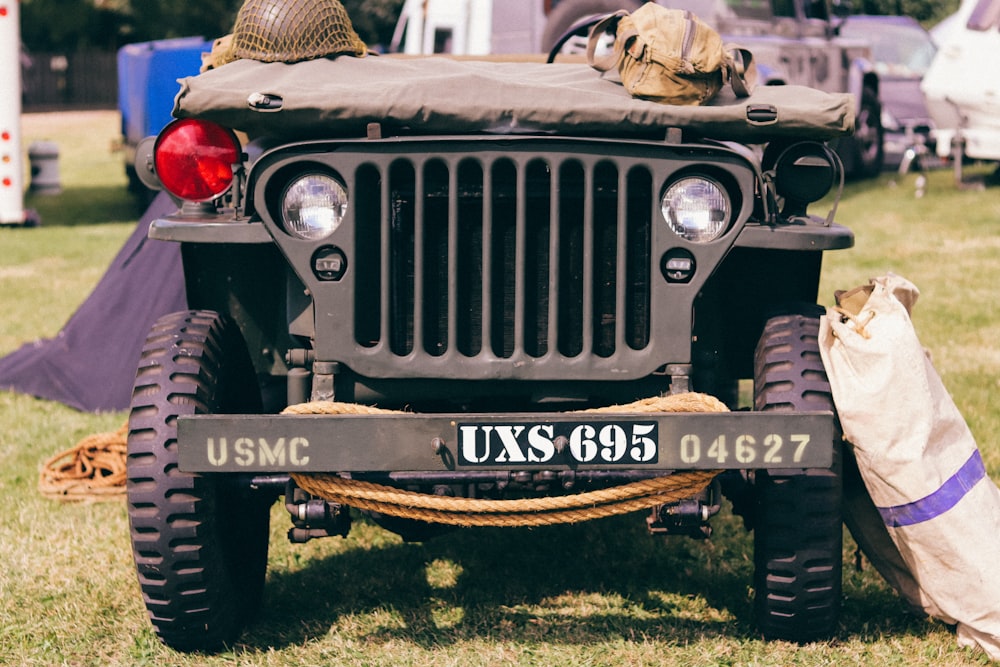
[
  {"x": 798, "y": 534},
  {"x": 569, "y": 12},
  {"x": 199, "y": 541},
  {"x": 863, "y": 153}
]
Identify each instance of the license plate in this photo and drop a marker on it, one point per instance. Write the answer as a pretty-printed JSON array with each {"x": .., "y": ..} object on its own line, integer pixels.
[
  {"x": 633, "y": 443},
  {"x": 639, "y": 443}
]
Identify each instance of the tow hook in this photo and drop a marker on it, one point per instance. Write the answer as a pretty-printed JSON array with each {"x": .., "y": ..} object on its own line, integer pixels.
[
  {"x": 314, "y": 517},
  {"x": 687, "y": 517}
]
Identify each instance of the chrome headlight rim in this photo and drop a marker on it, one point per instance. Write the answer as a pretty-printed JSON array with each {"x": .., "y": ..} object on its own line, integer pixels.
[
  {"x": 313, "y": 205},
  {"x": 697, "y": 207}
]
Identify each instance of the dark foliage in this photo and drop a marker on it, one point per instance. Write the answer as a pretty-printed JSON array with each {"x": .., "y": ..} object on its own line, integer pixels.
[{"x": 71, "y": 25}]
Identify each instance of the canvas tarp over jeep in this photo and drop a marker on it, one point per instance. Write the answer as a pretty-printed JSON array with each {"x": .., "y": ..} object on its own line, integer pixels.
[{"x": 487, "y": 298}]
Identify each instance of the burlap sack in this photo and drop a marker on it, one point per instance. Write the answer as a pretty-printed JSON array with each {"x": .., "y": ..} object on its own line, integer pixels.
[{"x": 918, "y": 459}]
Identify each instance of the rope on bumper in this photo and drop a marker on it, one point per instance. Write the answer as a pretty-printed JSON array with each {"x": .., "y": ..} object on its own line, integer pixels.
[{"x": 542, "y": 511}]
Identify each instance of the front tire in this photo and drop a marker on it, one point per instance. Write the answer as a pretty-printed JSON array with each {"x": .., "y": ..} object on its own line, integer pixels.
[
  {"x": 798, "y": 518},
  {"x": 199, "y": 541}
]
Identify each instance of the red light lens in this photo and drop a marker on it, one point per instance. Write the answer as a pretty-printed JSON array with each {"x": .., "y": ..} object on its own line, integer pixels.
[{"x": 194, "y": 159}]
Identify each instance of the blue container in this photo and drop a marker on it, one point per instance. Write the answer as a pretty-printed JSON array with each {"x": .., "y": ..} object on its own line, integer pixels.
[{"x": 147, "y": 82}]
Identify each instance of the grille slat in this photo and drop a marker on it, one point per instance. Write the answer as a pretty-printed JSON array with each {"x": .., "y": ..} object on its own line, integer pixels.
[
  {"x": 587, "y": 265},
  {"x": 621, "y": 265},
  {"x": 452, "y": 271},
  {"x": 552, "y": 332},
  {"x": 519, "y": 257},
  {"x": 487, "y": 263},
  {"x": 521, "y": 276},
  {"x": 384, "y": 222},
  {"x": 415, "y": 308}
]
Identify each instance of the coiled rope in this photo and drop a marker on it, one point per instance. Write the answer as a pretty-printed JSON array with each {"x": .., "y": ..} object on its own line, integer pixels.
[
  {"x": 93, "y": 469},
  {"x": 542, "y": 511}
]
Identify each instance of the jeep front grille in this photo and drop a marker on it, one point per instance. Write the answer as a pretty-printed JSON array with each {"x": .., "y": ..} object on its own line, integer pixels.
[
  {"x": 498, "y": 257},
  {"x": 514, "y": 257}
]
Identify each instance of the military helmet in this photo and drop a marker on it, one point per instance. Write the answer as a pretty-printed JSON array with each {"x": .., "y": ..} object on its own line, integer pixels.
[{"x": 293, "y": 30}]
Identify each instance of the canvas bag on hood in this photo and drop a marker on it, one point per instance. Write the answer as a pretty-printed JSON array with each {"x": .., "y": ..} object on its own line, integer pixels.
[
  {"x": 670, "y": 56},
  {"x": 917, "y": 457}
]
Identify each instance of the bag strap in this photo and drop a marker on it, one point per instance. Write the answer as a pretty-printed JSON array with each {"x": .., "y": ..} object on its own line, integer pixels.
[
  {"x": 740, "y": 70},
  {"x": 608, "y": 24}
]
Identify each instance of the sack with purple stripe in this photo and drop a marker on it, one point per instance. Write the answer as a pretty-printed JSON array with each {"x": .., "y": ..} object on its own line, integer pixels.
[{"x": 918, "y": 459}]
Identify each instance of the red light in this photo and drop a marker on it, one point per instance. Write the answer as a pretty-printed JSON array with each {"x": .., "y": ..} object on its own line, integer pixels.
[{"x": 194, "y": 159}]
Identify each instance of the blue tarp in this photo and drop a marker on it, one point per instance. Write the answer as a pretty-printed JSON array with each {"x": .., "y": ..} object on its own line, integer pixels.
[{"x": 90, "y": 364}]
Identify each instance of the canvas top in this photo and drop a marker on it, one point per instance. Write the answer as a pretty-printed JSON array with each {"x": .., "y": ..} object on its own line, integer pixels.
[{"x": 440, "y": 95}]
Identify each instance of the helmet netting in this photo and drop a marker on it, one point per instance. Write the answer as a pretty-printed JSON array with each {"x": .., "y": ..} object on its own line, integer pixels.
[{"x": 293, "y": 30}]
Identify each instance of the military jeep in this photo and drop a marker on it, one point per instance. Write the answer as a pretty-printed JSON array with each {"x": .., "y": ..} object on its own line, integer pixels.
[{"x": 449, "y": 279}]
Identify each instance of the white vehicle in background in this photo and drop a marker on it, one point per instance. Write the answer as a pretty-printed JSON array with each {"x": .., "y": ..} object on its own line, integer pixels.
[
  {"x": 469, "y": 27},
  {"x": 480, "y": 27},
  {"x": 962, "y": 86}
]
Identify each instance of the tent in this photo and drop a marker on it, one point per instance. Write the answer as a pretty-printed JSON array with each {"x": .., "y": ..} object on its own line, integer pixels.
[{"x": 90, "y": 364}]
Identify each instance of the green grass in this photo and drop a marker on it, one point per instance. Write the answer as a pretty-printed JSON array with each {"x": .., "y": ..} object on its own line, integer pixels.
[{"x": 603, "y": 593}]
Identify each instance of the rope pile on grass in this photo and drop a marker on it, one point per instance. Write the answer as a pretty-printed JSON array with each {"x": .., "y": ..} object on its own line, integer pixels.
[{"x": 93, "y": 469}]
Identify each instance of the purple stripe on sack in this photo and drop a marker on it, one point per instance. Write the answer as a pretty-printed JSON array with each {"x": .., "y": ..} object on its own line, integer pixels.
[{"x": 941, "y": 500}]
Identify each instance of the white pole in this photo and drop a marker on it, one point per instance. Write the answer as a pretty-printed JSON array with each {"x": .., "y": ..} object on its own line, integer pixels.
[{"x": 11, "y": 164}]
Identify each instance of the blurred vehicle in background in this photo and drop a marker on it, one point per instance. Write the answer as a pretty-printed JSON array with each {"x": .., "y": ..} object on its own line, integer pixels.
[
  {"x": 469, "y": 27},
  {"x": 962, "y": 86},
  {"x": 793, "y": 42},
  {"x": 480, "y": 27},
  {"x": 902, "y": 52}
]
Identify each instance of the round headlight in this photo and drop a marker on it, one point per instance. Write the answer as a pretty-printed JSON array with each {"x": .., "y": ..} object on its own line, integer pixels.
[
  {"x": 696, "y": 208},
  {"x": 313, "y": 206}
]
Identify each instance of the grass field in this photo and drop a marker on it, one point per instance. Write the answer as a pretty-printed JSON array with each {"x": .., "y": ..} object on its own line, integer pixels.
[{"x": 603, "y": 593}]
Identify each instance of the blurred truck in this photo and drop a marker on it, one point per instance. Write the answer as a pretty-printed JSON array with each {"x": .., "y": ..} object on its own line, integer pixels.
[{"x": 795, "y": 42}]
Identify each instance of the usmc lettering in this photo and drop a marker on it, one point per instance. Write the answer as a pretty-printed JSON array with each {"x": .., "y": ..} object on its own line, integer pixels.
[{"x": 258, "y": 453}]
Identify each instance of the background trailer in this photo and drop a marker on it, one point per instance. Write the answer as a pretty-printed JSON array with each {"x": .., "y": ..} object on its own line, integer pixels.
[{"x": 11, "y": 164}]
